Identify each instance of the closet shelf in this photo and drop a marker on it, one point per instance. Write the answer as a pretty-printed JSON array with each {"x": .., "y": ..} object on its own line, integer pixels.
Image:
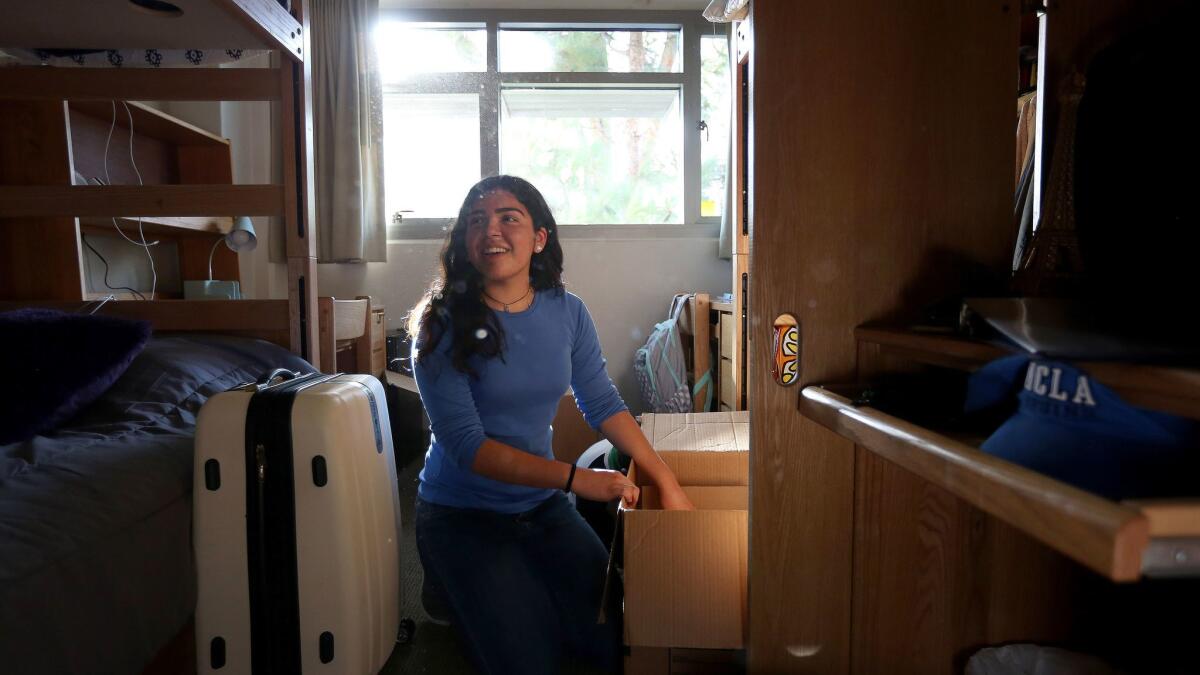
[
  {"x": 32, "y": 201},
  {"x": 1171, "y": 390},
  {"x": 1121, "y": 541}
]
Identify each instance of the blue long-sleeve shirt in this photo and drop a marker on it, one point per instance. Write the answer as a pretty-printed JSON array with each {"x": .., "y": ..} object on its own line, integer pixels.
[{"x": 548, "y": 347}]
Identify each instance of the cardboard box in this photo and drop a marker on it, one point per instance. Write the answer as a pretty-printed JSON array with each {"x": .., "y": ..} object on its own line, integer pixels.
[
  {"x": 685, "y": 571},
  {"x": 572, "y": 434},
  {"x": 702, "y": 448}
]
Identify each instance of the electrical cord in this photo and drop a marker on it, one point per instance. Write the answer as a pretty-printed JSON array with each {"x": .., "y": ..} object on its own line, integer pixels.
[
  {"x": 103, "y": 260},
  {"x": 141, "y": 232},
  {"x": 108, "y": 181},
  {"x": 96, "y": 305},
  {"x": 135, "y": 242}
]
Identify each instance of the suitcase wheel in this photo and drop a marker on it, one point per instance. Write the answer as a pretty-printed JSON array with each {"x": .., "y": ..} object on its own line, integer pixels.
[{"x": 405, "y": 635}]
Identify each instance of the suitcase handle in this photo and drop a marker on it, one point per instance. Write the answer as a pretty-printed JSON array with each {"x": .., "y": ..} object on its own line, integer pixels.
[{"x": 281, "y": 374}]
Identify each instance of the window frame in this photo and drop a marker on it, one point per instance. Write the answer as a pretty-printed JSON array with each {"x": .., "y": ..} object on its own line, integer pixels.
[{"x": 490, "y": 82}]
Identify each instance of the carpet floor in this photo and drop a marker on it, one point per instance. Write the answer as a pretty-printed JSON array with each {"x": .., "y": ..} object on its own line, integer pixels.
[{"x": 434, "y": 649}]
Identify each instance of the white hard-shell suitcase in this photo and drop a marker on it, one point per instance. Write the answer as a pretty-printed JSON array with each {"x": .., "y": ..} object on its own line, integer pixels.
[{"x": 296, "y": 527}]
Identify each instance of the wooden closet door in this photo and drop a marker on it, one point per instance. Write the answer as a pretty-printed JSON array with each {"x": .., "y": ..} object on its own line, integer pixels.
[{"x": 881, "y": 173}]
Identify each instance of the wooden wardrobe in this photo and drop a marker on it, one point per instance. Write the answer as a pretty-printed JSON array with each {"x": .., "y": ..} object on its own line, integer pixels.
[{"x": 880, "y": 171}]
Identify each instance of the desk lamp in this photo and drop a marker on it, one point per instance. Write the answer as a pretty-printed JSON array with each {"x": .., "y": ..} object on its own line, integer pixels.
[{"x": 240, "y": 237}]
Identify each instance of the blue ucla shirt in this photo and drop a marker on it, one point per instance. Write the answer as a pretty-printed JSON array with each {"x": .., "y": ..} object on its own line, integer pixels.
[
  {"x": 549, "y": 347},
  {"x": 1071, "y": 427}
]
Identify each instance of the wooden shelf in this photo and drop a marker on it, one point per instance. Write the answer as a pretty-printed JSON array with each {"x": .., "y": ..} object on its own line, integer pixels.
[
  {"x": 148, "y": 121},
  {"x": 936, "y": 349},
  {"x": 1121, "y": 541},
  {"x": 174, "y": 176},
  {"x": 42, "y": 83},
  {"x": 24, "y": 201},
  {"x": 126, "y": 295},
  {"x": 1171, "y": 390},
  {"x": 204, "y": 226}
]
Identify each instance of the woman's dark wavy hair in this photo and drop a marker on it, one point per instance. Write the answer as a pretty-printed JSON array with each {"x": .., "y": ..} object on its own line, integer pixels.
[{"x": 455, "y": 296}]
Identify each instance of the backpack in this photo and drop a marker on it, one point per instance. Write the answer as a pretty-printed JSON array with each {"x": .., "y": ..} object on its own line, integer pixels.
[{"x": 661, "y": 370}]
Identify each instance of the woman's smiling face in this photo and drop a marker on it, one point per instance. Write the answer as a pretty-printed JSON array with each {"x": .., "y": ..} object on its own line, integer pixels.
[{"x": 501, "y": 238}]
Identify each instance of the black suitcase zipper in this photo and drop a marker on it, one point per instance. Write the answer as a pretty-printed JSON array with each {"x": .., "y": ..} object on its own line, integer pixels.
[{"x": 271, "y": 527}]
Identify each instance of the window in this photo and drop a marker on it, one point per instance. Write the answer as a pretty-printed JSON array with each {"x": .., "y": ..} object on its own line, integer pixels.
[
  {"x": 430, "y": 150},
  {"x": 583, "y": 51},
  {"x": 605, "y": 155},
  {"x": 716, "y": 113},
  {"x": 406, "y": 49},
  {"x": 605, "y": 119}
]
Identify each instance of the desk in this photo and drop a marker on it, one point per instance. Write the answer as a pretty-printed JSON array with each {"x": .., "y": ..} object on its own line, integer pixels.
[{"x": 729, "y": 395}]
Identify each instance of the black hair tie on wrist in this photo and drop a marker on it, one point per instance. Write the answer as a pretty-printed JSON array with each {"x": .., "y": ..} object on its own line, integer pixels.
[{"x": 570, "y": 479}]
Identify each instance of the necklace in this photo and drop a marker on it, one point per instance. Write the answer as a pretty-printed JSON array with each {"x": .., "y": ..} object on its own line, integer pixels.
[{"x": 509, "y": 304}]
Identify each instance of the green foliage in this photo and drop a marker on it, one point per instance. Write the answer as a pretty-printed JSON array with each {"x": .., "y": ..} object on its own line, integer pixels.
[
  {"x": 603, "y": 170},
  {"x": 588, "y": 179},
  {"x": 715, "y": 110},
  {"x": 580, "y": 51}
]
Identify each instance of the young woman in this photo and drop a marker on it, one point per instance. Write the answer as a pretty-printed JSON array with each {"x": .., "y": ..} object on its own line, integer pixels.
[{"x": 498, "y": 343}]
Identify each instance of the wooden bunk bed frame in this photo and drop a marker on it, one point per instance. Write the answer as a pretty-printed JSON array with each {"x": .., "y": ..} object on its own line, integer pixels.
[
  {"x": 40, "y": 208},
  {"x": 42, "y": 213}
]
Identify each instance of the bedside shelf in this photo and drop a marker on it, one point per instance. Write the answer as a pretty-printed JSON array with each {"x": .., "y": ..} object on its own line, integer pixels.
[
  {"x": 1167, "y": 389},
  {"x": 70, "y": 167},
  {"x": 200, "y": 226},
  {"x": 147, "y": 201},
  {"x": 1121, "y": 541}
]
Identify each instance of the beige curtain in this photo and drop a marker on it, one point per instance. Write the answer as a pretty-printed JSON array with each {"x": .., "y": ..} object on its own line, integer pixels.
[{"x": 348, "y": 132}]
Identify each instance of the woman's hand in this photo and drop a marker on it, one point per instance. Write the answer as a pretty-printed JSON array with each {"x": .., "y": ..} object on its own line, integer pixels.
[
  {"x": 625, "y": 433},
  {"x": 674, "y": 499},
  {"x": 602, "y": 485}
]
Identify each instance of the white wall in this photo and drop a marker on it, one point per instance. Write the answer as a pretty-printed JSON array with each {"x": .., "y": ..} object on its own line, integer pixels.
[
  {"x": 627, "y": 285},
  {"x": 248, "y": 127},
  {"x": 128, "y": 265},
  {"x": 254, "y": 149}
]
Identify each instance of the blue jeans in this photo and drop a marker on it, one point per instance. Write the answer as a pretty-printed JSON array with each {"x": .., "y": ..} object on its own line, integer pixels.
[{"x": 523, "y": 589}]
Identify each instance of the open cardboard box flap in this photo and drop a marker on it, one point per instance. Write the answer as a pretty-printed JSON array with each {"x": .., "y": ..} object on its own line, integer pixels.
[
  {"x": 701, "y": 448},
  {"x": 685, "y": 571},
  {"x": 713, "y": 432}
]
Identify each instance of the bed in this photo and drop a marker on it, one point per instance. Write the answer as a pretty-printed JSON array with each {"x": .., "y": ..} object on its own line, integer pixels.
[{"x": 96, "y": 566}]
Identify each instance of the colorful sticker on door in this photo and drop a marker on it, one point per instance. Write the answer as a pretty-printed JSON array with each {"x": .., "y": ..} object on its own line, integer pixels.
[{"x": 785, "y": 367}]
